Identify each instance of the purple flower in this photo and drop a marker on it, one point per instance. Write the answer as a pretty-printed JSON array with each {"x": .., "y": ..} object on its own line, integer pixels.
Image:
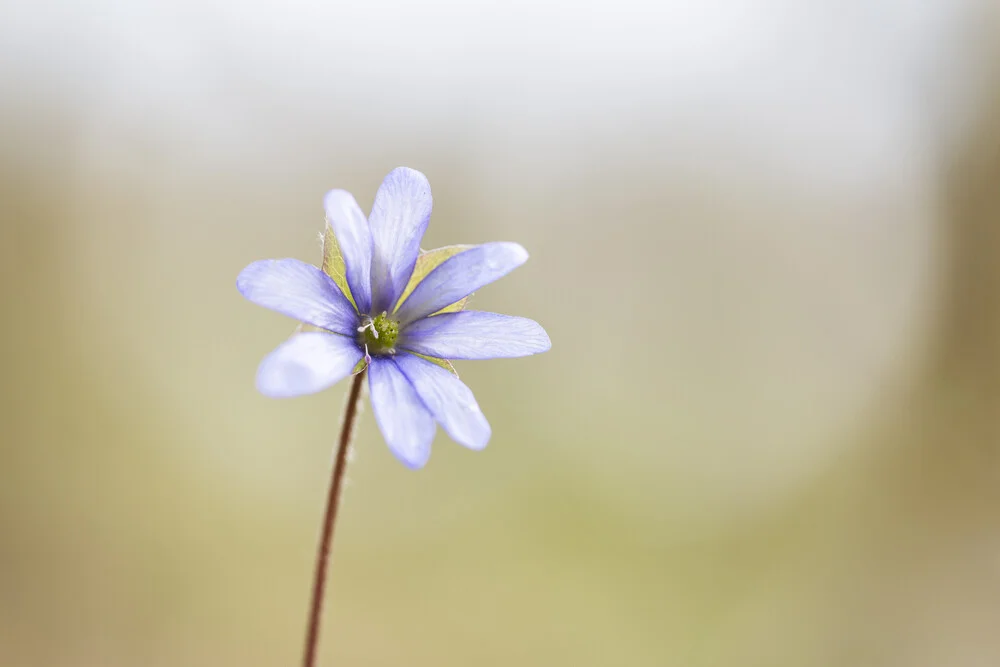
[{"x": 387, "y": 304}]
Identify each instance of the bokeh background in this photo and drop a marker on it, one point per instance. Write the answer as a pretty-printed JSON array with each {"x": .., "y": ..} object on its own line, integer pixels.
[{"x": 765, "y": 241}]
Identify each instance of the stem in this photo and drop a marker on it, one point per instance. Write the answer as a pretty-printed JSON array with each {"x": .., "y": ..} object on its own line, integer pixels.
[{"x": 326, "y": 538}]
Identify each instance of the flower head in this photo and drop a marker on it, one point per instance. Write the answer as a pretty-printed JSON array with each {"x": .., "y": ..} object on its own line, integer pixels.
[{"x": 381, "y": 302}]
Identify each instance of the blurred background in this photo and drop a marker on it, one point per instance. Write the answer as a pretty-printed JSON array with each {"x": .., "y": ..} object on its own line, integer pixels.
[{"x": 765, "y": 241}]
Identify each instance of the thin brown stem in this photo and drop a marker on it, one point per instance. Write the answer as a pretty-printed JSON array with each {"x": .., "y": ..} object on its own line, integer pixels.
[{"x": 326, "y": 537}]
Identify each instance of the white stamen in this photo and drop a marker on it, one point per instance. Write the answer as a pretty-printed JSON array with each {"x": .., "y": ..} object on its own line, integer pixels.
[{"x": 367, "y": 324}]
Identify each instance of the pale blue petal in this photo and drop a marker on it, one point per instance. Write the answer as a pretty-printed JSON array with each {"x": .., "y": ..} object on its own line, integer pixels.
[
  {"x": 460, "y": 276},
  {"x": 448, "y": 400},
  {"x": 399, "y": 218},
  {"x": 406, "y": 425},
  {"x": 355, "y": 240},
  {"x": 306, "y": 363},
  {"x": 473, "y": 334},
  {"x": 300, "y": 291}
]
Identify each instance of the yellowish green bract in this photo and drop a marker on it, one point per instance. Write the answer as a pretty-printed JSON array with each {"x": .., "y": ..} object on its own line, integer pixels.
[
  {"x": 427, "y": 261},
  {"x": 333, "y": 263}
]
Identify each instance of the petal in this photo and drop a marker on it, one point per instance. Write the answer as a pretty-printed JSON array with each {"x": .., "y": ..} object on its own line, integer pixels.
[
  {"x": 300, "y": 291},
  {"x": 448, "y": 400},
  {"x": 427, "y": 261},
  {"x": 307, "y": 363},
  {"x": 460, "y": 276},
  {"x": 406, "y": 425},
  {"x": 474, "y": 334},
  {"x": 355, "y": 240},
  {"x": 399, "y": 218}
]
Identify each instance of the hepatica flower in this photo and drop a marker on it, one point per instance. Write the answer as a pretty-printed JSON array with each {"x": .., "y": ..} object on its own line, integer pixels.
[{"x": 381, "y": 303}]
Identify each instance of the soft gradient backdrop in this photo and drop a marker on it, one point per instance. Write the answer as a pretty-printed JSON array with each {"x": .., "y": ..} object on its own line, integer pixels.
[{"x": 765, "y": 241}]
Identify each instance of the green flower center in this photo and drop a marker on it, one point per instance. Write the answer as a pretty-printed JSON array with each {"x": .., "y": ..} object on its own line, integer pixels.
[{"x": 379, "y": 334}]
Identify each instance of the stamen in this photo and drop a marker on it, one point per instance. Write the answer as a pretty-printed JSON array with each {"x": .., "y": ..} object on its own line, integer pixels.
[{"x": 369, "y": 323}]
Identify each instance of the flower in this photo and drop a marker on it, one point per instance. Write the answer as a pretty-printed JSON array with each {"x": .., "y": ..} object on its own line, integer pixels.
[{"x": 381, "y": 302}]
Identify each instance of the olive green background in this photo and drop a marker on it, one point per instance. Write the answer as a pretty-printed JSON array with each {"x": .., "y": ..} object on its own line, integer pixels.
[{"x": 767, "y": 431}]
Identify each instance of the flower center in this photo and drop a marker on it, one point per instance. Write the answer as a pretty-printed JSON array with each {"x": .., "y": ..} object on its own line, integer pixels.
[{"x": 379, "y": 334}]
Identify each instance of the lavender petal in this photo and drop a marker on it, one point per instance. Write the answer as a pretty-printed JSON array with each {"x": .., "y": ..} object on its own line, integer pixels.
[
  {"x": 460, "y": 276},
  {"x": 307, "y": 363},
  {"x": 448, "y": 399},
  {"x": 398, "y": 220},
  {"x": 473, "y": 334},
  {"x": 355, "y": 240},
  {"x": 300, "y": 291},
  {"x": 406, "y": 425}
]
